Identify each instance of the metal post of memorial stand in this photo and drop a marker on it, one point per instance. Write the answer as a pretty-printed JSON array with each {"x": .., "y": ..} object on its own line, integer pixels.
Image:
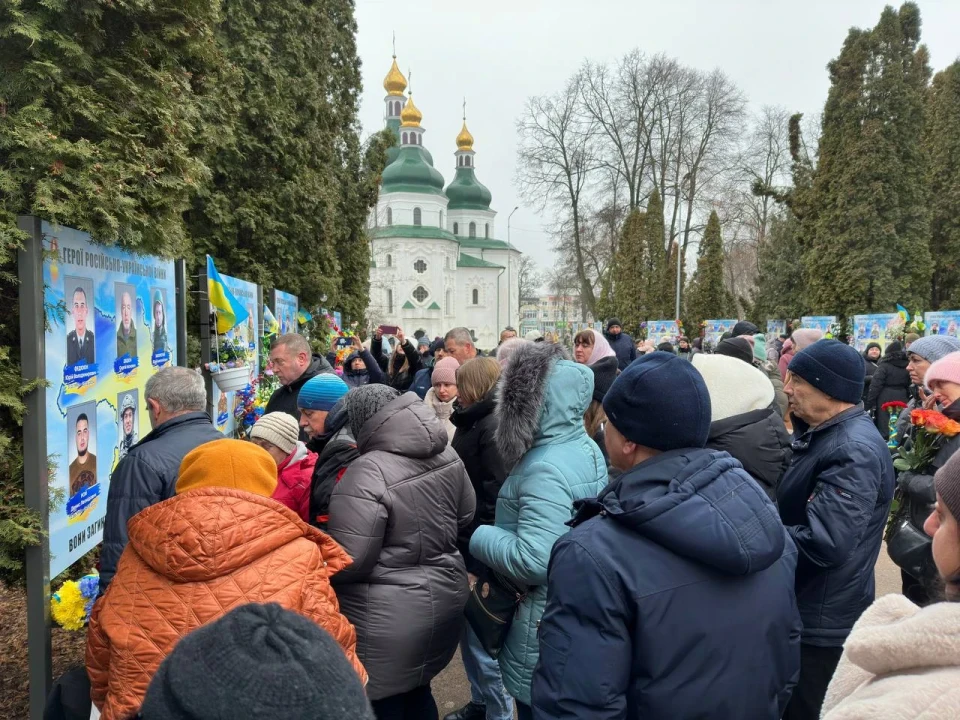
[
  {"x": 180, "y": 275},
  {"x": 206, "y": 349},
  {"x": 35, "y": 472}
]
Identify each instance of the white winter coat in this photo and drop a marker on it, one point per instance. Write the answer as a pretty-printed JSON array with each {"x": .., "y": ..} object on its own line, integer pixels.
[
  {"x": 443, "y": 410},
  {"x": 899, "y": 662}
]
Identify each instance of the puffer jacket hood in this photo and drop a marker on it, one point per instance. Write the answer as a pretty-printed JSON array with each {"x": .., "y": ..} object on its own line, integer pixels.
[
  {"x": 190, "y": 560},
  {"x": 759, "y": 441},
  {"x": 406, "y": 426},
  {"x": 541, "y": 398},
  {"x": 193, "y": 537},
  {"x": 695, "y": 504}
]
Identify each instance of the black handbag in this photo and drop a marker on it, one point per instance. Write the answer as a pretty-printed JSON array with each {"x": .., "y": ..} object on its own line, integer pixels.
[{"x": 491, "y": 607}]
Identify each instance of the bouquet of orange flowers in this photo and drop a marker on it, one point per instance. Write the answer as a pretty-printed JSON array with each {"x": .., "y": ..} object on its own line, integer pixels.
[{"x": 929, "y": 428}]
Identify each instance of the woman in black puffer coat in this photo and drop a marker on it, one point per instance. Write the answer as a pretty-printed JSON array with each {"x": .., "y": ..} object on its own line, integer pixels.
[
  {"x": 871, "y": 356},
  {"x": 891, "y": 381},
  {"x": 475, "y": 444},
  {"x": 908, "y": 544}
]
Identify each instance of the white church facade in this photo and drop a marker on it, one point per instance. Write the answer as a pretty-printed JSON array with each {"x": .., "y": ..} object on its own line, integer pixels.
[{"x": 435, "y": 260}]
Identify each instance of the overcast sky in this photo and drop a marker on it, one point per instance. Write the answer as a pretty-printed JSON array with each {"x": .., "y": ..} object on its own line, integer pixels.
[{"x": 498, "y": 53}]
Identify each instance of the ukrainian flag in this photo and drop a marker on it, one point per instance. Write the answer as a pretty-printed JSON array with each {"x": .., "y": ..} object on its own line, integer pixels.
[
  {"x": 230, "y": 312},
  {"x": 304, "y": 317},
  {"x": 270, "y": 324}
]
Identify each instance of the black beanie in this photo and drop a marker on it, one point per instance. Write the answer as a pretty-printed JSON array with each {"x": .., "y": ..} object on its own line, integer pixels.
[
  {"x": 835, "y": 369},
  {"x": 745, "y": 327},
  {"x": 637, "y": 408},
  {"x": 736, "y": 347},
  {"x": 257, "y": 661},
  {"x": 613, "y": 321},
  {"x": 604, "y": 373}
]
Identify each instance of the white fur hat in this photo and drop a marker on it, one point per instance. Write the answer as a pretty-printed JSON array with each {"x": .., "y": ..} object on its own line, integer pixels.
[{"x": 735, "y": 387}]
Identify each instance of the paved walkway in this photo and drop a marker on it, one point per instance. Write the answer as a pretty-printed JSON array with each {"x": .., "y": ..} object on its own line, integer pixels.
[{"x": 452, "y": 690}]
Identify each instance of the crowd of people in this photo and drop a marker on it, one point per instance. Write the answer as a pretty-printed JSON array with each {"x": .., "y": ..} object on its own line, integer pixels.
[{"x": 620, "y": 531}]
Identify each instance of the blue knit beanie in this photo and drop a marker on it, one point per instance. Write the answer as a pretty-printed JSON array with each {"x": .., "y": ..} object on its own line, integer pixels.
[
  {"x": 321, "y": 392},
  {"x": 832, "y": 367},
  {"x": 934, "y": 347},
  {"x": 660, "y": 401}
]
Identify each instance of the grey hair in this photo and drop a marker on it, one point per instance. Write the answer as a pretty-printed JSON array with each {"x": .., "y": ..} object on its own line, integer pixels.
[
  {"x": 178, "y": 390},
  {"x": 294, "y": 343},
  {"x": 507, "y": 348},
  {"x": 460, "y": 335}
]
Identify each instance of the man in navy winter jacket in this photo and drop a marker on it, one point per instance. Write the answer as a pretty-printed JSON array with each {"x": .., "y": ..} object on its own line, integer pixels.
[
  {"x": 672, "y": 597},
  {"x": 621, "y": 343},
  {"x": 834, "y": 500}
]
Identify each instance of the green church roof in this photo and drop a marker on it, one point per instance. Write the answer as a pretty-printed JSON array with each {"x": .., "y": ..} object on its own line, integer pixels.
[
  {"x": 467, "y": 193},
  {"x": 433, "y": 306},
  {"x": 412, "y": 171},
  {"x": 408, "y": 306},
  {"x": 474, "y": 262},
  {"x": 425, "y": 232},
  {"x": 484, "y": 243}
]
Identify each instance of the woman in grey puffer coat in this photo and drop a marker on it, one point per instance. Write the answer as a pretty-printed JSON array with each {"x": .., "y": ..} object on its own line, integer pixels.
[{"x": 397, "y": 512}]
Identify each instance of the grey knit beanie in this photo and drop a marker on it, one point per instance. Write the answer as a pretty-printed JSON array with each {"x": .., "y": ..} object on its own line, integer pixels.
[
  {"x": 366, "y": 401},
  {"x": 279, "y": 429},
  {"x": 257, "y": 661},
  {"x": 934, "y": 347}
]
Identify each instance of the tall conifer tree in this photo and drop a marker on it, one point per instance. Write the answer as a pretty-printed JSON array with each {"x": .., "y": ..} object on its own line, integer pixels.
[
  {"x": 868, "y": 242},
  {"x": 708, "y": 297},
  {"x": 628, "y": 270},
  {"x": 942, "y": 141}
]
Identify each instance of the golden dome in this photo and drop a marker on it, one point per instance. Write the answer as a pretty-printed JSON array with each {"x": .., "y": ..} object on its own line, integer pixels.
[
  {"x": 410, "y": 116},
  {"x": 465, "y": 139},
  {"x": 394, "y": 83}
]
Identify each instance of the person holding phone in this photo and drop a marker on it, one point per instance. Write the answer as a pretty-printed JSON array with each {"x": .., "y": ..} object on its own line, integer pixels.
[
  {"x": 403, "y": 364},
  {"x": 360, "y": 368}
]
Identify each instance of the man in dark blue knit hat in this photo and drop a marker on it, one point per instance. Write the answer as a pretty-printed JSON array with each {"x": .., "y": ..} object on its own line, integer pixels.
[
  {"x": 834, "y": 500},
  {"x": 679, "y": 575}
]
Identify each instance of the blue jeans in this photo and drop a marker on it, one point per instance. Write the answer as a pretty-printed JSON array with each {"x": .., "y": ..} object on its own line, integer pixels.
[{"x": 483, "y": 672}]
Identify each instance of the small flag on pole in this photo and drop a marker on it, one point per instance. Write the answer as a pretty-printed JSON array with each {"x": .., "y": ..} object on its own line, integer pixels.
[
  {"x": 270, "y": 324},
  {"x": 304, "y": 317},
  {"x": 230, "y": 312}
]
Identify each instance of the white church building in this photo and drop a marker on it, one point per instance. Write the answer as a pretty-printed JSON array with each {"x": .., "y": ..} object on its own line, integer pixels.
[{"x": 435, "y": 260}]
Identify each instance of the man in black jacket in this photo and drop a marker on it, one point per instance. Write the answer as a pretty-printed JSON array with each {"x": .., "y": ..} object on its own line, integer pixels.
[
  {"x": 621, "y": 343},
  {"x": 177, "y": 401},
  {"x": 293, "y": 364}
]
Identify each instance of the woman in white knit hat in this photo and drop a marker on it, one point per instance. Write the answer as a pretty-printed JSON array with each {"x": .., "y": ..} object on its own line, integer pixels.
[{"x": 278, "y": 434}]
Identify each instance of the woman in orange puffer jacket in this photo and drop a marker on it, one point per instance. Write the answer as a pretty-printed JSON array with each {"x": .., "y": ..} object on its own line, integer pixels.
[{"x": 219, "y": 543}]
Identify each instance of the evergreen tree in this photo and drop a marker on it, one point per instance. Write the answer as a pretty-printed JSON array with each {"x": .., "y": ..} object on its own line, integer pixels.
[
  {"x": 867, "y": 247},
  {"x": 291, "y": 185},
  {"x": 100, "y": 106},
  {"x": 628, "y": 268},
  {"x": 780, "y": 286},
  {"x": 656, "y": 279},
  {"x": 708, "y": 297},
  {"x": 942, "y": 142}
]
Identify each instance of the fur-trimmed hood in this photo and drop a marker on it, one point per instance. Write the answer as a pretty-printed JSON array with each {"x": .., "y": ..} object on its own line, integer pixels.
[{"x": 541, "y": 397}]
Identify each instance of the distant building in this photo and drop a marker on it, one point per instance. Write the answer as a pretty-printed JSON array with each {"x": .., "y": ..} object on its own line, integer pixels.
[
  {"x": 435, "y": 260},
  {"x": 558, "y": 314}
]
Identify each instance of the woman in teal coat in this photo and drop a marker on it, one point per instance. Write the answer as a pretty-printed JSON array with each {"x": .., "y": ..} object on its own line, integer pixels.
[{"x": 541, "y": 399}]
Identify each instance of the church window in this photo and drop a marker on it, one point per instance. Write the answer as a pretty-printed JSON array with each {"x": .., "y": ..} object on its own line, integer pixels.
[
  {"x": 486, "y": 230},
  {"x": 405, "y": 138},
  {"x": 460, "y": 161},
  {"x": 476, "y": 296},
  {"x": 446, "y": 262},
  {"x": 390, "y": 301},
  {"x": 389, "y": 260},
  {"x": 466, "y": 161},
  {"x": 420, "y": 266},
  {"x": 456, "y": 228},
  {"x": 448, "y": 302},
  {"x": 420, "y": 294},
  {"x": 417, "y": 216},
  {"x": 473, "y": 229},
  {"x": 389, "y": 216},
  {"x": 441, "y": 218}
]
